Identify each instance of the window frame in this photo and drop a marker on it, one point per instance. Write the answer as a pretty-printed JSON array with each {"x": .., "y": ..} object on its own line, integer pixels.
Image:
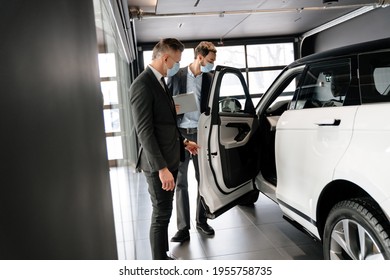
[
  {"x": 366, "y": 81},
  {"x": 329, "y": 65}
]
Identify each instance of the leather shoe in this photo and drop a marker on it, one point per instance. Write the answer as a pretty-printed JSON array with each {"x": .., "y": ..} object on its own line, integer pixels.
[
  {"x": 181, "y": 236},
  {"x": 205, "y": 228}
]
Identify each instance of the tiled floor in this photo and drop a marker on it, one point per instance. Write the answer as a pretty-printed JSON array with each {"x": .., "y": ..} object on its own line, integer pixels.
[{"x": 242, "y": 233}]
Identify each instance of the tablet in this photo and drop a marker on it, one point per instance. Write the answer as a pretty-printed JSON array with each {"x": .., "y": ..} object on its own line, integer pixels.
[{"x": 186, "y": 101}]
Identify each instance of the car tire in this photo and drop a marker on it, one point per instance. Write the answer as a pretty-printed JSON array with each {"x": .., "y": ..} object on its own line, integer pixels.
[{"x": 356, "y": 229}]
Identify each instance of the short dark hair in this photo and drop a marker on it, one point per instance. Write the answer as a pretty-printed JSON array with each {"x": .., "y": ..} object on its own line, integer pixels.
[
  {"x": 204, "y": 48},
  {"x": 164, "y": 45}
]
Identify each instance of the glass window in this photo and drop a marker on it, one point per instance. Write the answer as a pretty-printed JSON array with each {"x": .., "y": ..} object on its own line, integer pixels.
[
  {"x": 375, "y": 77},
  {"x": 231, "y": 86},
  {"x": 107, "y": 66},
  {"x": 147, "y": 56},
  {"x": 261, "y": 63},
  {"x": 283, "y": 95},
  {"x": 260, "y": 81},
  {"x": 232, "y": 95},
  {"x": 381, "y": 80},
  {"x": 187, "y": 57},
  {"x": 110, "y": 92},
  {"x": 111, "y": 120},
  {"x": 233, "y": 56},
  {"x": 270, "y": 54},
  {"x": 114, "y": 147},
  {"x": 114, "y": 82},
  {"x": 324, "y": 85}
]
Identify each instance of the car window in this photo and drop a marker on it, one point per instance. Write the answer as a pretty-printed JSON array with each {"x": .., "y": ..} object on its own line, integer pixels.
[
  {"x": 284, "y": 95},
  {"x": 232, "y": 97},
  {"x": 374, "y": 70},
  {"x": 231, "y": 94},
  {"x": 325, "y": 84}
]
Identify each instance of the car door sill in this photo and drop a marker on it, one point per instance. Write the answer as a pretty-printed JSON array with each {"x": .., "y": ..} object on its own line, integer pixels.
[{"x": 267, "y": 188}]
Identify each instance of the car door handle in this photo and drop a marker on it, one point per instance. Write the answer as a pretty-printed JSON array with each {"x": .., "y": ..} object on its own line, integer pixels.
[
  {"x": 243, "y": 130},
  {"x": 329, "y": 122}
]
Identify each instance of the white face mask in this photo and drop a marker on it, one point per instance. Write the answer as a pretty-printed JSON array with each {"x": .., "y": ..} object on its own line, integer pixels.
[
  {"x": 171, "y": 72},
  {"x": 209, "y": 66}
]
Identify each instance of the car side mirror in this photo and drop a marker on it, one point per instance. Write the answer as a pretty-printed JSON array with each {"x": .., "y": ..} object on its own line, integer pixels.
[{"x": 229, "y": 105}]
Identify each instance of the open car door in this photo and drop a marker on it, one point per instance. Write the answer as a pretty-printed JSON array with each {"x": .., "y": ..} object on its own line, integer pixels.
[{"x": 229, "y": 157}]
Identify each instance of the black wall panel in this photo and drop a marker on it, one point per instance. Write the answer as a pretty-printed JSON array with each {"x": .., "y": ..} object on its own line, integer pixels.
[
  {"x": 55, "y": 198},
  {"x": 372, "y": 25}
]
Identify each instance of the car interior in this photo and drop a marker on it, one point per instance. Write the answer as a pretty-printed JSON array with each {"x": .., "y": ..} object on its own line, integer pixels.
[{"x": 268, "y": 121}]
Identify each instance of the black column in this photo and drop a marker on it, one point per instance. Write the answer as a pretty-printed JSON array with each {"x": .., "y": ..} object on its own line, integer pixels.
[{"x": 55, "y": 199}]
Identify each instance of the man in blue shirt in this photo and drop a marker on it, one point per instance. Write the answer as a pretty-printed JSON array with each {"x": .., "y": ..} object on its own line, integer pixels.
[{"x": 197, "y": 79}]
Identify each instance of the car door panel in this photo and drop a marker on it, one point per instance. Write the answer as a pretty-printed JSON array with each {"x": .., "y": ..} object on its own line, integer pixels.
[
  {"x": 309, "y": 145},
  {"x": 312, "y": 137},
  {"x": 369, "y": 147},
  {"x": 235, "y": 131},
  {"x": 228, "y": 158},
  {"x": 236, "y": 149}
]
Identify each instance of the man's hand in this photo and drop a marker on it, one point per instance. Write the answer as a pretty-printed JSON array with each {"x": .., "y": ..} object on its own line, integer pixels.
[
  {"x": 192, "y": 147},
  {"x": 177, "y": 107},
  {"x": 167, "y": 180}
]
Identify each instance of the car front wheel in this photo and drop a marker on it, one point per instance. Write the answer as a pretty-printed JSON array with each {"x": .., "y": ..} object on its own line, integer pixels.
[{"x": 355, "y": 229}]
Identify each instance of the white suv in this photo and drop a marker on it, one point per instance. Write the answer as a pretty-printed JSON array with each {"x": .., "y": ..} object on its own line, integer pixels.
[{"x": 318, "y": 144}]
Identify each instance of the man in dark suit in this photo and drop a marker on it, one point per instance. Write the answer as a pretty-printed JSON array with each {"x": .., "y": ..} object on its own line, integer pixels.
[
  {"x": 197, "y": 79},
  {"x": 162, "y": 144}
]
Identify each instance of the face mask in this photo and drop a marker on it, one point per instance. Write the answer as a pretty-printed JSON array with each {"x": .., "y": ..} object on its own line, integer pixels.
[
  {"x": 207, "y": 68},
  {"x": 171, "y": 72}
]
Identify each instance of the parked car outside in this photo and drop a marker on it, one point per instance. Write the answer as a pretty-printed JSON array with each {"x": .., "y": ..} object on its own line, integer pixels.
[{"x": 322, "y": 151}]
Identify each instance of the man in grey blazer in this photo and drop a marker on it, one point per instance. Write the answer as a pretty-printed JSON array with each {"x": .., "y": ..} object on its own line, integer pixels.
[
  {"x": 162, "y": 144},
  {"x": 197, "y": 79}
]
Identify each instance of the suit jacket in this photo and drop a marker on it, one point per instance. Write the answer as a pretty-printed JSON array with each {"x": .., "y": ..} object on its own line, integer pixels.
[
  {"x": 178, "y": 85},
  {"x": 155, "y": 124}
]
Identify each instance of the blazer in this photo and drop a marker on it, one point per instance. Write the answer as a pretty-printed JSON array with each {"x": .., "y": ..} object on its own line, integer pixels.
[
  {"x": 178, "y": 85},
  {"x": 155, "y": 124}
]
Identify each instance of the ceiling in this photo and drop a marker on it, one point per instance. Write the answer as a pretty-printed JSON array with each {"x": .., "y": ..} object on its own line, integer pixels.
[{"x": 193, "y": 20}]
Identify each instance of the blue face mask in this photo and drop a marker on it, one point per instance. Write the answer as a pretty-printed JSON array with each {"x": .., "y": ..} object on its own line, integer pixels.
[
  {"x": 171, "y": 72},
  {"x": 207, "y": 68}
]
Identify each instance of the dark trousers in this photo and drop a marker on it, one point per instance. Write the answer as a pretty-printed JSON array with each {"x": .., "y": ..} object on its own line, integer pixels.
[
  {"x": 182, "y": 198},
  {"x": 162, "y": 210}
]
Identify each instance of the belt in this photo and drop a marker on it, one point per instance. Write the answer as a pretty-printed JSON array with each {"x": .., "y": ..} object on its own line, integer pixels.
[{"x": 192, "y": 130}]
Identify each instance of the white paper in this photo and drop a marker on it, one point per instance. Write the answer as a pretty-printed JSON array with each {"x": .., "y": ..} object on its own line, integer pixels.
[{"x": 186, "y": 101}]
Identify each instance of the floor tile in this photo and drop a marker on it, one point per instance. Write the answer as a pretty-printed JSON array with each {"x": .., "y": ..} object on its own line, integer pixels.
[
  {"x": 234, "y": 241},
  {"x": 231, "y": 219},
  {"x": 283, "y": 235},
  {"x": 189, "y": 250},
  {"x": 303, "y": 252},
  {"x": 267, "y": 254},
  {"x": 256, "y": 232}
]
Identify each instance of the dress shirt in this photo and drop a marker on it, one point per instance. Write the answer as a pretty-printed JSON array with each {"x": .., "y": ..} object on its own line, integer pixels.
[{"x": 194, "y": 84}]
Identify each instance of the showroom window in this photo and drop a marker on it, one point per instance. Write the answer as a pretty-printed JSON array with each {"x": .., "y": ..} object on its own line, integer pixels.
[
  {"x": 265, "y": 62},
  {"x": 114, "y": 60},
  {"x": 260, "y": 63},
  {"x": 186, "y": 57}
]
